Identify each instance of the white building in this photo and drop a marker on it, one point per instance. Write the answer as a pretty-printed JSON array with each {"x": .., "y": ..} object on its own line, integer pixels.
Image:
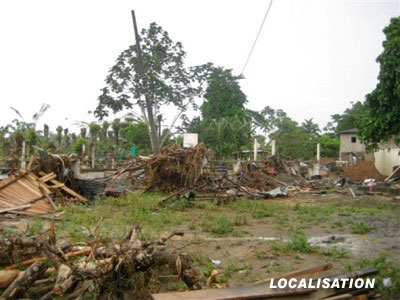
[{"x": 352, "y": 150}]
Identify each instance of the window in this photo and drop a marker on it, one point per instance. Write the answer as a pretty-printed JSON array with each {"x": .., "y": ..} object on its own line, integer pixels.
[{"x": 353, "y": 139}]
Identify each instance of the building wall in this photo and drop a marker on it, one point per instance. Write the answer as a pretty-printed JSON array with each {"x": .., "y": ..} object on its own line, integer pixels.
[
  {"x": 346, "y": 145},
  {"x": 386, "y": 159}
]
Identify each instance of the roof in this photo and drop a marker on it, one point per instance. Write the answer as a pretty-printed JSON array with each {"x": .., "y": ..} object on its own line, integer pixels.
[{"x": 353, "y": 130}]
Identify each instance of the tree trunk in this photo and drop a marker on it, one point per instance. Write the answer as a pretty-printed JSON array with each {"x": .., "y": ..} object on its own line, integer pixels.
[{"x": 149, "y": 106}]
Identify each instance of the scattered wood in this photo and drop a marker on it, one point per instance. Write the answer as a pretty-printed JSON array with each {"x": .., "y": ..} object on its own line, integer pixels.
[
  {"x": 15, "y": 208},
  {"x": 65, "y": 188},
  {"x": 29, "y": 262},
  {"x": 24, "y": 281},
  {"x": 306, "y": 273},
  {"x": 239, "y": 292},
  {"x": 352, "y": 193}
]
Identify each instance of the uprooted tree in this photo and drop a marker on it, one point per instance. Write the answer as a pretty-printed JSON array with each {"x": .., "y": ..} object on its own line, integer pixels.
[{"x": 167, "y": 81}]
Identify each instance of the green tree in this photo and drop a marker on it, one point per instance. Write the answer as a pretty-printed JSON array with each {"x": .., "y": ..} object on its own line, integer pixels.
[
  {"x": 168, "y": 81},
  {"x": 94, "y": 130},
  {"x": 59, "y": 130},
  {"x": 116, "y": 125},
  {"x": 348, "y": 119},
  {"x": 77, "y": 146},
  {"x": 381, "y": 121},
  {"x": 292, "y": 140},
  {"x": 46, "y": 132},
  {"x": 310, "y": 127},
  {"x": 66, "y": 139},
  {"x": 104, "y": 130},
  {"x": 329, "y": 146},
  {"x": 224, "y": 97},
  {"x": 227, "y": 136},
  {"x": 137, "y": 133},
  {"x": 31, "y": 138},
  {"x": 83, "y": 132}
]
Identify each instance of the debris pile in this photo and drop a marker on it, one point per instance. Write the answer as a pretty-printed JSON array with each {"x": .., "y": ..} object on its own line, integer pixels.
[
  {"x": 106, "y": 269},
  {"x": 361, "y": 171},
  {"x": 181, "y": 170},
  {"x": 172, "y": 169}
]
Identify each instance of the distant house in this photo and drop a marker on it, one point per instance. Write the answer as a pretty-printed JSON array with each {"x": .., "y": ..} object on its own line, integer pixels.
[{"x": 352, "y": 150}]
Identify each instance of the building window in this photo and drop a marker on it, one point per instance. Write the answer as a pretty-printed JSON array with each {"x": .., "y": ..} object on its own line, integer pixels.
[{"x": 353, "y": 139}]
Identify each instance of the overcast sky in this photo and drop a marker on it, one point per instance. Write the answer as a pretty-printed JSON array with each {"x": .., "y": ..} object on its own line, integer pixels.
[{"x": 311, "y": 60}]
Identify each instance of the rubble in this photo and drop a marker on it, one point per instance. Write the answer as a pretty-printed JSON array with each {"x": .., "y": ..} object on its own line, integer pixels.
[{"x": 181, "y": 170}]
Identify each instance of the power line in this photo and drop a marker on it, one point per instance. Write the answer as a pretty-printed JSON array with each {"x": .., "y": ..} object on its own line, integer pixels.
[{"x": 258, "y": 34}]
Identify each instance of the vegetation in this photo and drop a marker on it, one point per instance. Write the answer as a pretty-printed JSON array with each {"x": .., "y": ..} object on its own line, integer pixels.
[
  {"x": 225, "y": 125},
  {"x": 360, "y": 228},
  {"x": 298, "y": 242},
  {"x": 381, "y": 120},
  {"x": 166, "y": 82}
]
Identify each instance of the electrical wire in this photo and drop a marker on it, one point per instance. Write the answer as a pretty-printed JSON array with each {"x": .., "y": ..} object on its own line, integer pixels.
[{"x": 258, "y": 34}]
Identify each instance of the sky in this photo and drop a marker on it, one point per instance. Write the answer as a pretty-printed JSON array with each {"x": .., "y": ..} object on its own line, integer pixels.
[{"x": 311, "y": 60}]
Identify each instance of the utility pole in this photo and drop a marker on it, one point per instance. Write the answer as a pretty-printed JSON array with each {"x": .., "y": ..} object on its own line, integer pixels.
[{"x": 153, "y": 131}]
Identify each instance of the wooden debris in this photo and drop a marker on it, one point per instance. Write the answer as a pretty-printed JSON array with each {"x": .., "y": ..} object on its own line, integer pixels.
[
  {"x": 65, "y": 188},
  {"x": 24, "y": 281},
  {"x": 239, "y": 292},
  {"x": 261, "y": 289},
  {"x": 103, "y": 270},
  {"x": 22, "y": 189},
  {"x": 27, "y": 194}
]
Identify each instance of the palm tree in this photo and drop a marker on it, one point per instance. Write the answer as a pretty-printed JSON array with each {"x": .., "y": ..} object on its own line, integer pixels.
[{"x": 310, "y": 127}]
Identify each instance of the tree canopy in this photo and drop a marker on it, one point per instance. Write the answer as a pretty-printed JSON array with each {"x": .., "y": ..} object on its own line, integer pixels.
[
  {"x": 168, "y": 81},
  {"x": 223, "y": 97},
  {"x": 381, "y": 120}
]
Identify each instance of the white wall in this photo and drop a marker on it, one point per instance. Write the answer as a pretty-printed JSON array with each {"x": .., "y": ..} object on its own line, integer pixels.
[{"x": 386, "y": 159}]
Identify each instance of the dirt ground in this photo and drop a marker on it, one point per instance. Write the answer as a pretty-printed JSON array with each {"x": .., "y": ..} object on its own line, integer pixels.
[{"x": 246, "y": 240}]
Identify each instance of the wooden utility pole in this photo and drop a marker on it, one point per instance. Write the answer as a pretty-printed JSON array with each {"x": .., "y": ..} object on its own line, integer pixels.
[{"x": 149, "y": 106}]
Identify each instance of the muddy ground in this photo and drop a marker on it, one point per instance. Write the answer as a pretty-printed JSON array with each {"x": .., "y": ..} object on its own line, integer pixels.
[{"x": 245, "y": 240}]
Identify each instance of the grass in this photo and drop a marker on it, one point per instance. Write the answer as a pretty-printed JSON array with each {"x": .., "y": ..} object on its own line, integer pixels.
[
  {"x": 360, "y": 228},
  {"x": 35, "y": 227},
  {"x": 240, "y": 219},
  {"x": 386, "y": 269},
  {"x": 335, "y": 253},
  {"x": 298, "y": 242},
  {"x": 119, "y": 214},
  {"x": 219, "y": 225},
  {"x": 261, "y": 255}
]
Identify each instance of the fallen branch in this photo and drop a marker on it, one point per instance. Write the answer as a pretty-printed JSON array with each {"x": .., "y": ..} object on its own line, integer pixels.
[{"x": 24, "y": 281}]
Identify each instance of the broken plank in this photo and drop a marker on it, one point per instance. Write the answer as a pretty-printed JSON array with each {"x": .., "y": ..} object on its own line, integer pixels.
[
  {"x": 47, "y": 196},
  {"x": 352, "y": 192},
  {"x": 66, "y": 189},
  {"x": 47, "y": 177},
  {"x": 239, "y": 292},
  {"x": 6, "y": 182},
  {"x": 15, "y": 208},
  {"x": 310, "y": 271}
]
